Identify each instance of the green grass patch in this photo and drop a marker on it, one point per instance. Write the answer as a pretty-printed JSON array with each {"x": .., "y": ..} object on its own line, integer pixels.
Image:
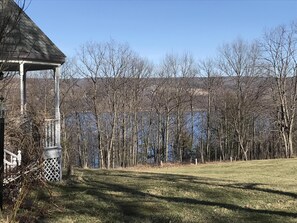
[{"x": 255, "y": 191}]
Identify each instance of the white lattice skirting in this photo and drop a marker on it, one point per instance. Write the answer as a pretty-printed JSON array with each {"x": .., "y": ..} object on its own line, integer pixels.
[{"x": 52, "y": 169}]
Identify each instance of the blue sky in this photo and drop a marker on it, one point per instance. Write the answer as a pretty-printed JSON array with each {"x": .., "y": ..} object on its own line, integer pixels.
[{"x": 154, "y": 28}]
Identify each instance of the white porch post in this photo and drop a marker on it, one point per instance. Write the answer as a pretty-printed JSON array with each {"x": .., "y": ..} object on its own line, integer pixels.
[
  {"x": 58, "y": 115},
  {"x": 57, "y": 106},
  {"x": 23, "y": 88}
]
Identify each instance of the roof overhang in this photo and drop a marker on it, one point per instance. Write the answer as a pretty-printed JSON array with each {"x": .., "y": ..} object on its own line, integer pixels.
[{"x": 14, "y": 65}]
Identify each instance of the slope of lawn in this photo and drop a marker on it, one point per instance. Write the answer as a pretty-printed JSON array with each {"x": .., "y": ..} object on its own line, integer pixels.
[{"x": 255, "y": 191}]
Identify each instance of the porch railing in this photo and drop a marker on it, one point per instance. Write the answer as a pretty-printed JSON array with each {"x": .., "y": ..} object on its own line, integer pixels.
[
  {"x": 12, "y": 160},
  {"x": 50, "y": 133}
]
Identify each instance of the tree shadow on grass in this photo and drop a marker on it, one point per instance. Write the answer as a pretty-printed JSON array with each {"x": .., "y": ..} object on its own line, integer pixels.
[
  {"x": 114, "y": 201},
  {"x": 134, "y": 192},
  {"x": 206, "y": 181},
  {"x": 137, "y": 194},
  {"x": 113, "y": 208},
  {"x": 254, "y": 186}
]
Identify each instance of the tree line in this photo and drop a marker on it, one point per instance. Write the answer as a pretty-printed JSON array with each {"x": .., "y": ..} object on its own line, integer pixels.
[{"x": 120, "y": 110}]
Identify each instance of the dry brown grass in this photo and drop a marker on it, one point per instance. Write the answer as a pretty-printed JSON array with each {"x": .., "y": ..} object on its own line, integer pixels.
[{"x": 256, "y": 191}]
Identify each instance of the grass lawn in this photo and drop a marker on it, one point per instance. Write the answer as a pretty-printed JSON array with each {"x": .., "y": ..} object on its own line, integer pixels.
[{"x": 255, "y": 191}]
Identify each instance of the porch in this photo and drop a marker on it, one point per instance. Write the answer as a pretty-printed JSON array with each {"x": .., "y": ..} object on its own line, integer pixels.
[{"x": 24, "y": 49}]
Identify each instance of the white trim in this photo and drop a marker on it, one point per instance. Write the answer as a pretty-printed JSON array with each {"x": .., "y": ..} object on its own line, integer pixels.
[
  {"x": 30, "y": 62},
  {"x": 57, "y": 74},
  {"x": 22, "y": 89}
]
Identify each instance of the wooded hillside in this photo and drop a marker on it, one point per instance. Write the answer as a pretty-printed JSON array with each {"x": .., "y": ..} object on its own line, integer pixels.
[{"x": 118, "y": 109}]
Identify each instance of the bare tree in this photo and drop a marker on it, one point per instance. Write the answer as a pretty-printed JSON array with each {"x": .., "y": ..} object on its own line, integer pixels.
[
  {"x": 90, "y": 67},
  {"x": 172, "y": 101},
  {"x": 240, "y": 61},
  {"x": 137, "y": 84},
  {"x": 280, "y": 57},
  {"x": 207, "y": 69}
]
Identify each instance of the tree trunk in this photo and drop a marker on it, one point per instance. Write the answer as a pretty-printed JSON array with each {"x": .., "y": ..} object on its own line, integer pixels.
[
  {"x": 208, "y": 119},
  {"x": 159, "y": 141},
  {"x": 202, "y": 151},
  {"x": 99, "y": 140},
  {"x": 167, "y": 137}
]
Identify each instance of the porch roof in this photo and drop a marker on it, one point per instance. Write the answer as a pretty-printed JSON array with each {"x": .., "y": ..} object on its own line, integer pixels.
[{"x": 23, "y": 41}]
